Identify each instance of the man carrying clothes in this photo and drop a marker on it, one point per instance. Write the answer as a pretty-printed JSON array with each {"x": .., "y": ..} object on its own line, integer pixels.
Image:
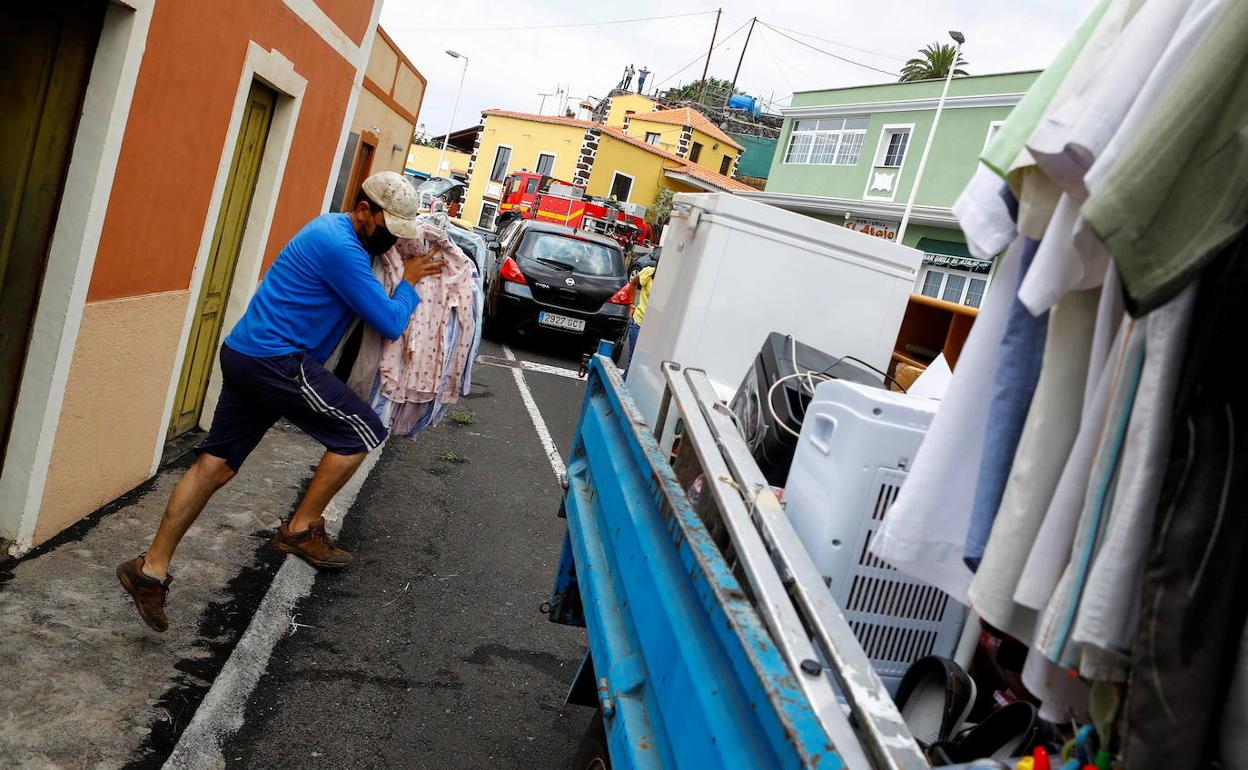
[{"x": 271, "y": 365}]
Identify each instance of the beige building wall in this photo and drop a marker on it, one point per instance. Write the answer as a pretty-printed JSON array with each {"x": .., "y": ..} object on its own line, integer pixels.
[
  {"x": 110, "y": 419},
  {"x": 394, "y": 132},
  {"x": 389, "y": 104}
]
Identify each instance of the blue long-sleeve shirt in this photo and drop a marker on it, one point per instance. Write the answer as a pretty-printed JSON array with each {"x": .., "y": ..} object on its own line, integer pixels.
[{"x": 318, "y": 283}]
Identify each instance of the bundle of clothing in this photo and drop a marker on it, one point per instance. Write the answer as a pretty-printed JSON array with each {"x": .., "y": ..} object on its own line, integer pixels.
[
  {"x": 411, "y": 382},
  {"x": 1082, "y": 486}
]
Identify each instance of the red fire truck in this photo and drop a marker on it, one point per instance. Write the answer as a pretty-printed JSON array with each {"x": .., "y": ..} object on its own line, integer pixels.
[{"x": 528, "y": 195}]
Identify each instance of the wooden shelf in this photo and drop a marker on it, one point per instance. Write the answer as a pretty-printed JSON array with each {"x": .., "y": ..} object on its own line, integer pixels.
[{"x": 933, "y": 324}]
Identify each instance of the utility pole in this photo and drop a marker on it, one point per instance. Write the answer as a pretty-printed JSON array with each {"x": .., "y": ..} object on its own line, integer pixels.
[
  {"x": 749, "y": 32},
  {"x": 706, "y": 67},
  {"x": 958, "y": 39}
]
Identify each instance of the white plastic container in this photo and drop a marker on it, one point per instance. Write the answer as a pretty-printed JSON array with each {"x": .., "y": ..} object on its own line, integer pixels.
[
  {"x": 855, "y": 448},
  {"x": 733, "y": 270}
]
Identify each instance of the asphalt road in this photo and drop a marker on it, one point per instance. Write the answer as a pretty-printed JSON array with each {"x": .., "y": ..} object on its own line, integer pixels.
[{"x": 430, "y": 651}]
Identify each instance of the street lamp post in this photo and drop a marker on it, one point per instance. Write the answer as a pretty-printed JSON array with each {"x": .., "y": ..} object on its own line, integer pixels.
[
  {"x": 451, "y": 126},
  {"x": 958, "y": 39}
]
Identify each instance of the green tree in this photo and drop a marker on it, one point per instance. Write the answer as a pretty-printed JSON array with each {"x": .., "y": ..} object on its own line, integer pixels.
[
  {"x": 933, "y": 63},
  {"x": 717, "y": 91},
  {"x": 661, "y": 210}
]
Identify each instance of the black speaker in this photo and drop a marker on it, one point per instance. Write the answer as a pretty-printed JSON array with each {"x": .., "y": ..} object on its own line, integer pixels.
[{"x": 771, "y": 445}]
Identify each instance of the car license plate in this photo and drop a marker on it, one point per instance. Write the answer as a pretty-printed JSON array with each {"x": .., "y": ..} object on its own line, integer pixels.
[{"x": 561, "y": 322}]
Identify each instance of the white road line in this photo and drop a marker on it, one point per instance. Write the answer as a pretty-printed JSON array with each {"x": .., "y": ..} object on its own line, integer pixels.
[
  {"x": 220, "y": 715},
  {"x": 531, "y": 366},
  {"x": 539, "y": 424}
]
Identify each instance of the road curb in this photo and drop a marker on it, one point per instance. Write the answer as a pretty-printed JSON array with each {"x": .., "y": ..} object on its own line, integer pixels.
[{"x": 221, "y": 712}]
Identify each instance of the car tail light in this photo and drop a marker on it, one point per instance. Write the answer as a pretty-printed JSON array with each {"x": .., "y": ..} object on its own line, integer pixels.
[
  {"x": 510, "y": 271},
  {"x": 621, "y": 297}
]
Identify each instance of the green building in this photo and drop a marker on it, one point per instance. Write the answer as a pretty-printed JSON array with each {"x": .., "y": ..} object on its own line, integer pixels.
[{"x": 850, "y": 156}]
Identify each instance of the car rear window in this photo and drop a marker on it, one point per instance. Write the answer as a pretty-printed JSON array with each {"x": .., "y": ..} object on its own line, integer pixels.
[{"x": 583, "y": 257}]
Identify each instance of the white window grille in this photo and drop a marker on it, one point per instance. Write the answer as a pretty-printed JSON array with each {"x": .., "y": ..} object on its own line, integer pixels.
[{"x": 827, "y": 141}]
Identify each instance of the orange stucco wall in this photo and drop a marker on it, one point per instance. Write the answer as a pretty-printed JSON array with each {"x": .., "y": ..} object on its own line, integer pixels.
[
  {"x": 351, "y": 16},
  {"x": 177, "y": 127}
]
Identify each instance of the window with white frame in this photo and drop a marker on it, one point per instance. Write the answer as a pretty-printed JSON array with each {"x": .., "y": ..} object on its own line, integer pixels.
[
  {"x": 621, "y": 186},
  {"x": 652, "y": 137},
  {"x": 502, "y": 157},
  {"x": 993, "y": 128},
  {"x": 893, "y": 146},
  {"x": 488, "y": 212},
  {"x": 961, "y": 287},
  {"x": 975, "y": 292},
  {"x": 827, "y": 141},
  {"x": 545, "y": 164}
]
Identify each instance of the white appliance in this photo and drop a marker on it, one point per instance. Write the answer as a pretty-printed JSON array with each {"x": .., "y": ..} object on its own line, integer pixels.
[
  {"x": 856, "y": 446},
  {"x": 733, "y": 270}
]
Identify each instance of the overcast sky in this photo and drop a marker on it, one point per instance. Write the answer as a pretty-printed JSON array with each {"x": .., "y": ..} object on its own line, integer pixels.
[{"x": 508, "y": 68}]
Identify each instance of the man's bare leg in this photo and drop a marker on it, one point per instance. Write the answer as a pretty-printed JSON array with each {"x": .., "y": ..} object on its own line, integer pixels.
[
  {"x": 333, "y": 472},
  {"x": 189, "y": 497}
]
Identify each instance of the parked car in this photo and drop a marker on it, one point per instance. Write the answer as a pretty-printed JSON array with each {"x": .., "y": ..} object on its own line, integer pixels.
[
  {"x": 642, "y": 261},
  {"x": 450, "y": 191},
  {"x": 557, "y": 278}
]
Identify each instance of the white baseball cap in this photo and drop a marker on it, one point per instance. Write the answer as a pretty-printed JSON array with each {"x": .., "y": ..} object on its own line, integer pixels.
[{"x": 398, "y": 202}]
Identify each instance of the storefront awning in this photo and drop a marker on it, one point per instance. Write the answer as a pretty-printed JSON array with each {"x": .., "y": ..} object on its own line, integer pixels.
[{"x": 951, "y": 254}]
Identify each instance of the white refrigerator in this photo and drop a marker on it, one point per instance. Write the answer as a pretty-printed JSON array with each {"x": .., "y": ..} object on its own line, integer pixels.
[{"x": 733, "y": 270}]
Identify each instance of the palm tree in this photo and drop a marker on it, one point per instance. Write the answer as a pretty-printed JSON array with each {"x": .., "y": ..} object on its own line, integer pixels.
[{"x": 933, "y": 63}]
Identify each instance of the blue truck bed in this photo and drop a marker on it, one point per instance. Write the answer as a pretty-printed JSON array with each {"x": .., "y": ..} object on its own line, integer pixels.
[{"x": 702, "y": 652}]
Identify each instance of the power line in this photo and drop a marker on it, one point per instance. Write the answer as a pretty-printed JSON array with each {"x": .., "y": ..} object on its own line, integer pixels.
[
  {"x": 837, "y": 42},
  {"x": 826, "y": 53},
  {"x": 776, "y": 61},
  {"x": 551, "y": 26},
  {"x": 702, "y": 55}
]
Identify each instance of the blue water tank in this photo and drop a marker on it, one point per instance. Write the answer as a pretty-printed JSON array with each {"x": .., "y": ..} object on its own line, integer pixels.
[{"x": 744, "y": 102}]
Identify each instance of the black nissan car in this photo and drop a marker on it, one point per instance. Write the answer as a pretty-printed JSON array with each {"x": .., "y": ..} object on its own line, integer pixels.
[{"x": 555, "y": 277}]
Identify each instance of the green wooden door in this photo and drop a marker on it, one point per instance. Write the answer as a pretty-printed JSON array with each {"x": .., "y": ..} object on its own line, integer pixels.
[
  {"x": 201, "y": 346},
  {"x": 46, "y": 51}
]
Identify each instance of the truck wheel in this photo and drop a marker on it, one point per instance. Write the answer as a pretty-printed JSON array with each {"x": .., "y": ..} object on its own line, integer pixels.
[{"x": 592, "y": 753}]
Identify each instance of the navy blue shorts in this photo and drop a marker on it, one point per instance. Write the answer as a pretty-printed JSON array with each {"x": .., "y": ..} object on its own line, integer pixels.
[{"x": 257, "y": 391}]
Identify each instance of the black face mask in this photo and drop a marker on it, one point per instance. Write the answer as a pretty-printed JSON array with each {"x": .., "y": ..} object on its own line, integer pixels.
[{"x": 379, "y": 241}]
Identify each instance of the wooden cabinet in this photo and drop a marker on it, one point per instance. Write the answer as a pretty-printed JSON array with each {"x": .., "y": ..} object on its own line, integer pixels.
[{"x": 930, "y": 327}]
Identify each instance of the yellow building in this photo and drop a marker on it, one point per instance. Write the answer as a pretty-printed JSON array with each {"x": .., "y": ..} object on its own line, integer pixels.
[
  {"x": 682, "y": 131},
  {"x": 422, "y": 161},
  {"x": 623, "y": 106},
  {"x": 604, "y": 159}
]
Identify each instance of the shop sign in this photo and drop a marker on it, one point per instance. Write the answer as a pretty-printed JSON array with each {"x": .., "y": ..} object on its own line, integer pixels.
[{"x": 874, "y": 227}]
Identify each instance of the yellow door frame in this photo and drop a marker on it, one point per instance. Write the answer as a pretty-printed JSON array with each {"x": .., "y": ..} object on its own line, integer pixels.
[{"x": 222, "y": 259}]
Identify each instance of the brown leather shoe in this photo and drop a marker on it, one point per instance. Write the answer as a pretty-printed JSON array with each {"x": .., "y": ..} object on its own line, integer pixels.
[
  {"x": 148, "y": 593},
  {"x": 312, "y": 545}
]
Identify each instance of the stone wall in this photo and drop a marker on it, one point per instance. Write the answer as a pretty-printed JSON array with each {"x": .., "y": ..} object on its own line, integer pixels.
[
  {"x": 585, "y": 160},
  {"x": 685, "y": 142},
  {"x": 472, "y": 161}
]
